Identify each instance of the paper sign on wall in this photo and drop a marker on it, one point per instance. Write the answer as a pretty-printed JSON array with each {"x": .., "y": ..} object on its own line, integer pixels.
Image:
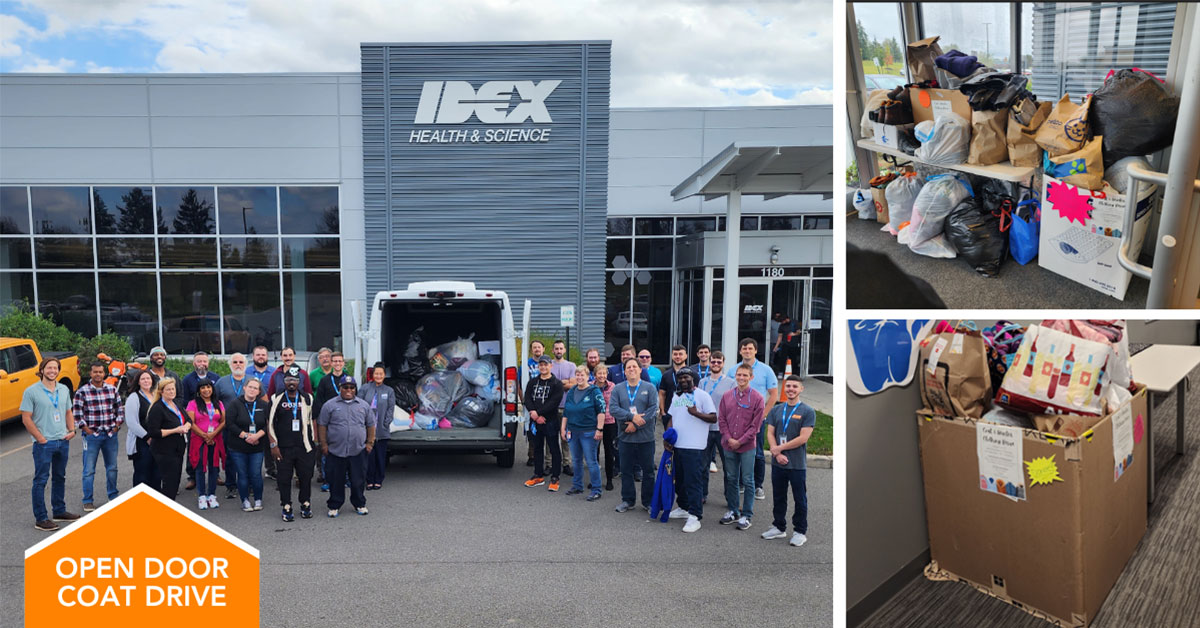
[
  {"x": 940, "y": 108},
  {"x": 1000, "y": 451},
  {"x": 1122, "y": 424}
]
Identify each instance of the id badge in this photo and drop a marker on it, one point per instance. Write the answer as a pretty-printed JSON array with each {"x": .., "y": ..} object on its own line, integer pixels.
[
  {"x": 210, "y": 429},
  {"x": 295, "y": 425},
  {"x": 783, "y": 440},
  {"x": 57, "y": 417}
]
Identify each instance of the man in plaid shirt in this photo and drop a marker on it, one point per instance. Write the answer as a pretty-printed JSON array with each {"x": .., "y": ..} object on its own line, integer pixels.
[{"x": 97, "y": 409}]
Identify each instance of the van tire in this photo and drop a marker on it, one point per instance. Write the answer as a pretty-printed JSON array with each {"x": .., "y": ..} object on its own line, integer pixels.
[{"x": 505, "y": 459}]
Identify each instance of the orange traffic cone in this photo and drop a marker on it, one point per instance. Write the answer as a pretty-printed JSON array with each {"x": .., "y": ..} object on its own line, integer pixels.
[{"x": 787, "y": 370}]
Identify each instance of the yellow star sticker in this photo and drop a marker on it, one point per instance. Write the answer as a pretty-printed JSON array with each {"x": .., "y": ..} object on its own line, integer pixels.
[{"x": 1042, "y": 471}]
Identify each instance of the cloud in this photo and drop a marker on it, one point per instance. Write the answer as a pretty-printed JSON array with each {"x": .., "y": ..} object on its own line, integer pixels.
[
  {"x": 39, "y": 65},
  {"x": 671, "y": 53}
]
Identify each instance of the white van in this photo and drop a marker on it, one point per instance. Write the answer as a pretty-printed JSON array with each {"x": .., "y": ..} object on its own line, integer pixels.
[{"x": 447, "y": 310}]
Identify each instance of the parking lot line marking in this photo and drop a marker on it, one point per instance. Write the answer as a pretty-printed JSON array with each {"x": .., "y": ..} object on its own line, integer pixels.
[{"x": 16, "y": 450}]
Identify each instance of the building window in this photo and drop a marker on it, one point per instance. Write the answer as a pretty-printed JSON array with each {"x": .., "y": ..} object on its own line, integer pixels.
[
  {"x": 66, "y": 253},
  {"x": 309, "y": 320},
  {"x": 655, "y": 226},
  {"x": 191, "y": 313},
  {"x": 121, "y": 253},
  {"x": 16, "y": 253},
  {"x": 69, "y": 299},
  {"x": 251, "y": 310},
  {"x": 781, "y": 223},
  {"x": 16, "y": 289},
  {"x": 688, "y": 226},
  {"x": 620, "y": 226},
  {"x": 248, "y": 210},
  {"x": 311, "y": 253},
  {"x": 653, "y": 252},
  {"x": 14, "y": 210},
  {"x": 187, "y": 252},
  {"x": 123, "y": 211},
  {"x": 249, "y": 253},
  {"x": 189, "y": 210},
  {"x": 818, "y": 222},
  {"x": 309, "y": 210},
  {"x": 129, "y": 308},
  {"x": 60, "y": 210}
]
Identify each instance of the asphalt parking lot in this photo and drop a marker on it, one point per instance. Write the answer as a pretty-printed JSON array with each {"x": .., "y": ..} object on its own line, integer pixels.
[{"x": 457, "y": 541}]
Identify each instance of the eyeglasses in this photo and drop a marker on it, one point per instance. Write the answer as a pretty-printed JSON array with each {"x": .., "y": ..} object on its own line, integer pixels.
[{"x": 643, "y": 357}]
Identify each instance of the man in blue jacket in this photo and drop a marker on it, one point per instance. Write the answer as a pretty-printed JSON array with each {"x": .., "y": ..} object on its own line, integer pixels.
[{"x": 635, "y": 408}]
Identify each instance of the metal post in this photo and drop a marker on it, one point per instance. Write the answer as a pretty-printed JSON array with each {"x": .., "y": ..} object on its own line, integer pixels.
[
  {"x": 1177, "y": 198},
  {"x": 729, "y": 313},
  {"x": 1180, "y": 413}
]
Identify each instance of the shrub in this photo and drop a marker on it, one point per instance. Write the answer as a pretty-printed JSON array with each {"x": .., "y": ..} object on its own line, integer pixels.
[
  {"x": 16, "y": 323},
  {"x": 115, "y": 346}
]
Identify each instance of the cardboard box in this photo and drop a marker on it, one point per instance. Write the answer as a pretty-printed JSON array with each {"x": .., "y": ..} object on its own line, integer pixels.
[
  {"x": 929, "y": 104},
  {"x": 888, "y": 135},
  {"x": 1057, "y": 552},
  {"x": 1081, "y": 234},
  {"x": 881, "y": 206}
]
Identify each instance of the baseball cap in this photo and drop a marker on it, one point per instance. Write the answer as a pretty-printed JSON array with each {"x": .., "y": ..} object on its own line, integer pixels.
[
  {"x": 292, "y": 372},
  {"x": 347, "y": 380},
  {"x": 546, "y": 359}
]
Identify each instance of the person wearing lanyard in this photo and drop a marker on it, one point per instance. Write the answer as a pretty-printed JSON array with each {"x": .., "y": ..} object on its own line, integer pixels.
[
  {"x": 703, "y": 366},
  {"x": 635, "y": 409},
  {"x": 97, "y": 410},
  {"x": 767, "y": 385},
  {"x": 206, "y": 451},
  {"x": 229, "y": 390},
  {"x": 166, "y": 424},
  {"x": 789, "y": 426},
  {"x": 610, "y": 424},
  {"x": 261, "y": 370},
  {"x": 716, "y": 384},
  {"x": 47, "y": 416},
  {"x": 692, "y": 412},
  {"x": 583, "y": 428},
  {"x": 290, "y": 429},
  {"x": 137, "y": 440},
  {"x": 739, "y": 415},
  {"x": 669, "y": 383},
  {"x": 247, "y": 427},
  {"x": 382, "y": 399}
]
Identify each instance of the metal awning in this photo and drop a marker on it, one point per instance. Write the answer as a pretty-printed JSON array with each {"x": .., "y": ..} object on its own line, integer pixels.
[{"x": 759, "y": 168}]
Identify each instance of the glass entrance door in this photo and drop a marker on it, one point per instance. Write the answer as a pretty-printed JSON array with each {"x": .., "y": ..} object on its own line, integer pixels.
[
  {"x": 817, "y": 332},
  {"x": 753, "y": 315},
  {"x": 787, "y": 301}
]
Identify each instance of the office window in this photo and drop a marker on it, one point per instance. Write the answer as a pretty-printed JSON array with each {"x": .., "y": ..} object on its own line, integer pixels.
[
  {"x": 688, "y": 226},
  {"x": 61, "y": 210},
  {"x": 14, "y": 210},
  {"x": 251, "y": 310},
  {"x": 312, "y": 305},
  {"x": 781, "y": 223},
  {"x": 69, "y": 299},
  {"x": 650, "y": 317},
  {"x": 249, "y": 253},
  {"x": 620, "y": 226},
  {"x": 653, "y": 252},
  {"x": 187, "y": 252},
  {"x": 619, "y": 253},
  {"x": 247, "y": 210},
  {"x": 129, "y": 308},
  {"x": 191, "y": 313},
  {"x": 16, "y": 289},
  {"x": 311, "y": 253},
  {"x": 981, "y": 29},
  {"x": 655, "y": 226},
  {"x": 125, "y": 211},
  {"x": 71, "y": 253},
  {"x": 818, "y": 222},
  {"x": 309, "y": 210},
  {"x": 187, "y": 210},
  {"x": 125, "y": 252},
  {"x": 15, "y": 253}
]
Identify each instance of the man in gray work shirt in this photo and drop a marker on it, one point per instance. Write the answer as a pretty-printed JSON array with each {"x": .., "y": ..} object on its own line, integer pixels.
[
  {"x": 346, "y": 431},
  {"x": 635, "y": 407}
]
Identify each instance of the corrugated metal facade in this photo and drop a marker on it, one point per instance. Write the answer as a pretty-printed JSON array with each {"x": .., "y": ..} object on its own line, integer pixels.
[{"x": 520, "y": 217}]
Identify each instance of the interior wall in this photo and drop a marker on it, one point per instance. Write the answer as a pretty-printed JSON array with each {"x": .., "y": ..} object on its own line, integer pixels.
[{"x": 1164, "y": 332}]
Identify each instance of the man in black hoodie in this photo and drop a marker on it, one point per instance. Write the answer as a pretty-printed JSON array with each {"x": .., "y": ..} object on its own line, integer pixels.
[
  {"x": 326, "y": 390},
  {"x": 542, "y": 395}
]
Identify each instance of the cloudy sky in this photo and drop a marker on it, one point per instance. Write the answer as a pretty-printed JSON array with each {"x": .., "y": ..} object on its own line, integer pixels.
[{"x": 697, "y": 53}]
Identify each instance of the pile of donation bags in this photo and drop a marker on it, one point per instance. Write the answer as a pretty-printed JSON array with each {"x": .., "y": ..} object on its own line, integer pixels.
[
  {"x": 995, "y": 118},
  {"x": 1060, "y": 377},
  {"x": 447, "y": 386}
]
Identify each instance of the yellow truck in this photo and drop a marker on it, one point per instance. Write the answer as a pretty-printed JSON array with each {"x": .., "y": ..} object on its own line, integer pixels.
[{"x": 19, "y": 360}]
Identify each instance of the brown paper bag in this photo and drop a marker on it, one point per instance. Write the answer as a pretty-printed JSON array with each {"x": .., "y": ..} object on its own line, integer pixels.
[
  {"x": 1084, "y": 167},
  {"x": 1069, "y": 425},
  {"x": 1022, "y": 150},
  {"x": 1066, "y": 129},
  {"x": 987, "y": 137},
  {"x": 921, "y": 55},
  {"x": 958, "y": 384}
]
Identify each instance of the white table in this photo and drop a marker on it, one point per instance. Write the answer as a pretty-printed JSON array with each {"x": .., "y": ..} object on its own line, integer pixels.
[{"x": 1163, "y": 368}]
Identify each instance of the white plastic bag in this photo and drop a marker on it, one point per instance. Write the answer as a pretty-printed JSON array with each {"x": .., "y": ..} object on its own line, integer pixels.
[
  {"x": 865, "y": 204},
  {"x": 900, "y": 195},
  {"x": 945, "y": 141},
  {"x": 1115, "y": 175},
  {"x": 478, "y": 372},
  {"x": 937, "y": 246},
  {"x": 401, "y": 420},
  {"x": 452, "y": 355},
  {"x": 439, "y": 390},
  {"x": 424, "y": 421},
  {"x": 939, "y": 196}
]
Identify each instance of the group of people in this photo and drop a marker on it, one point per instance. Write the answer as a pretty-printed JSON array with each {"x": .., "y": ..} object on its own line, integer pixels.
[
  {"x": 704, "y": 411},
  {"x": 257, "y": 416}
]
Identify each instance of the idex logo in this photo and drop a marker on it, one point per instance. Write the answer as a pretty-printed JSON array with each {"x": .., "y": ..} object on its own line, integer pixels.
[{"x": 453, "y": 102}]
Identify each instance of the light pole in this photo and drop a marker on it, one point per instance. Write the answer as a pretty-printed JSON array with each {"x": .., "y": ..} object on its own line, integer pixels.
[{"x": 987, "y": 38}]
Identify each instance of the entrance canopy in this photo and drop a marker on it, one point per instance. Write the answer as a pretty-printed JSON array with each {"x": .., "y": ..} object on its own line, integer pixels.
[{"x": 755, "y": 168}]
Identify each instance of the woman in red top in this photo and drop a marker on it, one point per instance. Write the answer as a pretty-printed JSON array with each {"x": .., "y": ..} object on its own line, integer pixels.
[{"x": 206, "y": 451}]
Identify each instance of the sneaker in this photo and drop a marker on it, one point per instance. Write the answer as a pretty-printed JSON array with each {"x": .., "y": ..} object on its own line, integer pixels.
[
  {"x": 270, "y": 475},
  {"x": 608, "y": 486},
  {"x": 231, "y": 493},
  {"x": 46, "y": 525},
  {"x": 306, "y": 510},
  {"x": 333, "y": 512},
  {"x": 712, "y": 467},
  {"x": 536, "y": 480},
  {"x": 759, "y": 493},
  {"x": 246, "y": 507},
  {"x": 66, "y": 516},
  {"x": 624, "y": 507},
  {"x": 287, "y": 513},
  {"x": 553, "y": 487},
  {"x": 574, "y": 491},
  {"x": 679, "y": 513},
  {"x": 212, "y": 502},
  {"x": 567, "y": 470},
  {"x": 361, "y": 511},
  {"x": 529, "y": 463},
  {"x": 692, "y": 524},
  {"x": 743, "y": 523},
  {"x": 201, "y": 502},
  {"x": 774, "y": 533},
  {"x": 325, "y": 487},
  {"x": 258, "y": 504},
  {"x": 728, "y": 518},
  {"x": 594, "y": 496},
  {"x": 798, "y": 540},
  {"x": 89, "y": 507}
]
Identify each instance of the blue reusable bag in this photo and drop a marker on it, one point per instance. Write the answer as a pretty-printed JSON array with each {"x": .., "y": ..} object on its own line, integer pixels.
[{"x": 1023, "y": 235}]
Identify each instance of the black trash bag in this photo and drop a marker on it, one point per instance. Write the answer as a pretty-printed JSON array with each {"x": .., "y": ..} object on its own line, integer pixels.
[
  {"x": 471, "y": 411},
  {"x": 414, "y": 366},
  {"x": 975, "y": 232},
  {"x": 1135, "y": 113},
  {"x": 992, "y": 192},
  {"x": 406, "y": 395},
  {"x": 995, "y": 91}
]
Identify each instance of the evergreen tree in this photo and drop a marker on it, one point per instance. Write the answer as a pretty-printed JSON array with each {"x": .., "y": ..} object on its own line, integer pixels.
[
  {"x": 105, "y": 222},
  {"x": 195, "y": 215},
  {"x": 137, "y": 213}
]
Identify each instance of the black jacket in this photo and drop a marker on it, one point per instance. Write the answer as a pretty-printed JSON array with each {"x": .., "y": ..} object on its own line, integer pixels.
[
  {"x": 159, "y": 419},
  {"x": 239, "y": 420},
  {"x": 326, "y": 390},
  {"x": 546, "y": 402}
]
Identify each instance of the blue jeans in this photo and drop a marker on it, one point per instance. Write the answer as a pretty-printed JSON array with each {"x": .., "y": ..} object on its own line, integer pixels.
[
  {"x": 739, "y": 479},
  {"x": 584, "y": 448},
  {"x": 249, "y": 473},
  {"x": 208, "y": 487},
  {"x": 50, "y": 463},
  {"x": 93, "y": 446},
  {"x": 689, "y": 465},
  {"x": 780, "y": 479}
]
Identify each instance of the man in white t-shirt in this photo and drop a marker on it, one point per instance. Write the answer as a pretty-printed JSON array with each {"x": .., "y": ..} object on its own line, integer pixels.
[{"x": 691, "y": 413}]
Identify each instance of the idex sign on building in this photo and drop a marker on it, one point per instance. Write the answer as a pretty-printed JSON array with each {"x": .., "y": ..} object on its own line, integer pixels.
[{"x": 488, "y": 162}]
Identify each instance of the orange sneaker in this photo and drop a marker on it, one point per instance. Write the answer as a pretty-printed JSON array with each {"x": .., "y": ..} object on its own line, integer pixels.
[
  {"x": 553, "y": 485},
  {"x": 535, "y": 481}
]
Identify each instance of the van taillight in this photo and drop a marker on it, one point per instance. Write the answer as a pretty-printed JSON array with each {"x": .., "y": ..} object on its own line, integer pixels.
[{"x": 510, "y": 390}]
